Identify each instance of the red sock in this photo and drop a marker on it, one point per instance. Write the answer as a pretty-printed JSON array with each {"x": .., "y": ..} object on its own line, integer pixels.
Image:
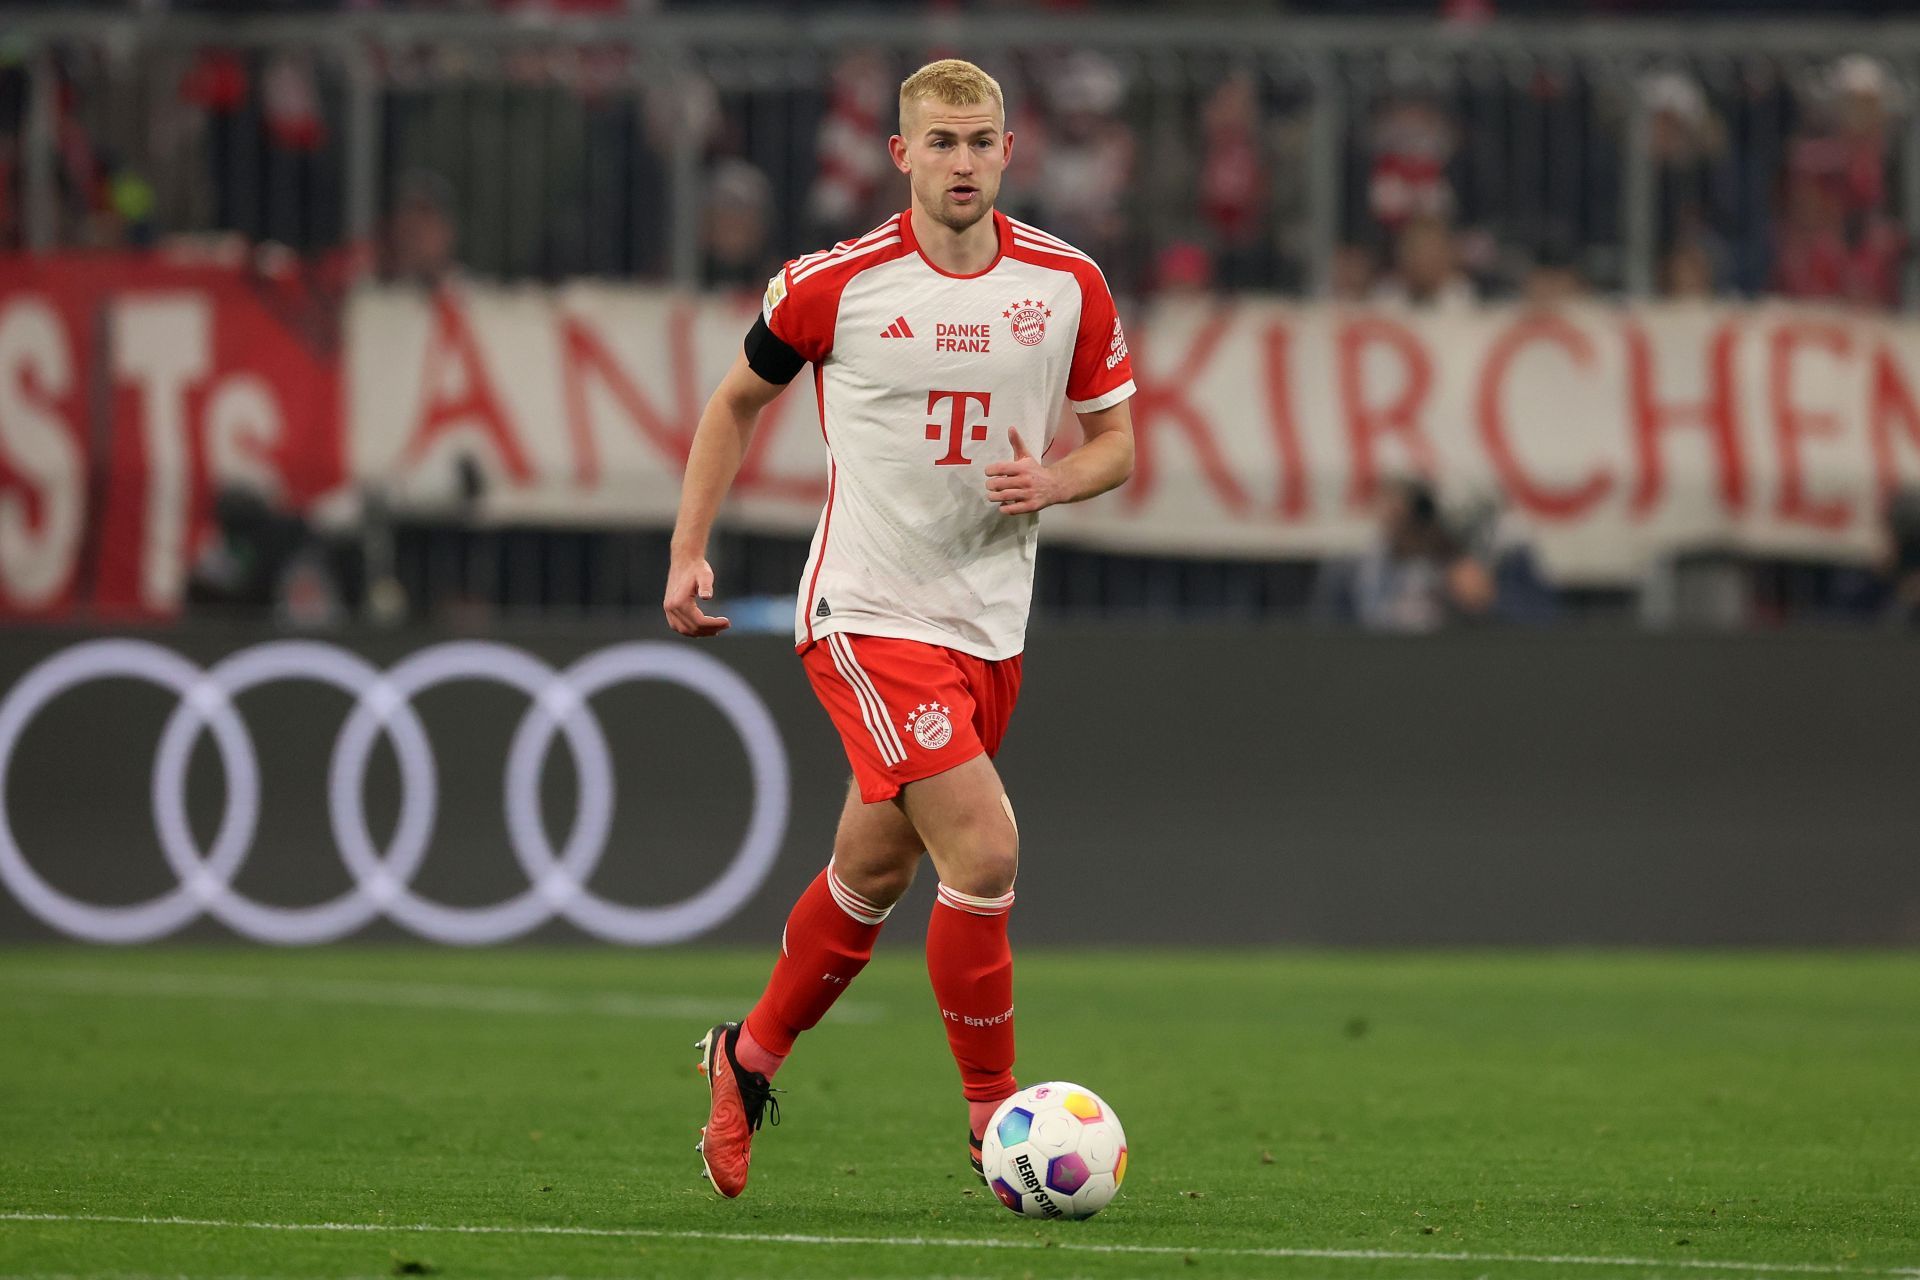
[
  {"x": 971, "y": 964},
  {"x": 827, "y": 942}
]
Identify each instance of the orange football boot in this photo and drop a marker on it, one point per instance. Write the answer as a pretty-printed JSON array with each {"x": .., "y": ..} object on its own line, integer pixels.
[{"x": 739, "y": 1099}]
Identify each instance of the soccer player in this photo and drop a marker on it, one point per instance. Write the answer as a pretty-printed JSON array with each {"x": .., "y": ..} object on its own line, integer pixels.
[{"x": 942, "y": 342}]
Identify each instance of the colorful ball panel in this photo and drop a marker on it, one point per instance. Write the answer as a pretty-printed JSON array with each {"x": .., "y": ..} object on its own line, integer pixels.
[
  {"x": 1120, "y": 1168},
  {"x": 1014, "y": 1127},
  {"x": 1008, "y": 1196},
  {"x": 1066, "y": 1174},
  {"x": 1082, "y": 1105}
]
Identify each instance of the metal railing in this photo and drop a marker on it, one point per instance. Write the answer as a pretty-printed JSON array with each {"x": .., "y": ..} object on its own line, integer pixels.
[{"x": 615, "y": 148}]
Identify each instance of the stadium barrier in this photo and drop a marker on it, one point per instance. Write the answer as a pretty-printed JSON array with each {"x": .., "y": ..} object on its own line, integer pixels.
[
  {"x": 132, "y": 390},
  {"x": 1611, "y": 436},
  {"x": 1174, "y": 786}
]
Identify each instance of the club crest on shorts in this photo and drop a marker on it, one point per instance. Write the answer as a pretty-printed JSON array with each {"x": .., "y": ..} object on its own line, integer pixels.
[
  {"x": 1029, "y": 321},
  {"x": 930, "y": 725}
]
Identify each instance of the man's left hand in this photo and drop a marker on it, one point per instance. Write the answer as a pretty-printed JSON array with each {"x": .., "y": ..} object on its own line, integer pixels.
[{"x": 1025, "y": 484}]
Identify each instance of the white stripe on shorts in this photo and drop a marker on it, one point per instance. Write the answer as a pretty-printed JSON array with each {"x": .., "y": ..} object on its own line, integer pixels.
[
  {"x": 872, "y": 709},
  {"x": 881, "y": 711}
]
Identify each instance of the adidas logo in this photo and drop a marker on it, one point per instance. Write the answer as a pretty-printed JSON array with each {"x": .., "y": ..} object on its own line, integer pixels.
[
  {"x": 823, "y": 611},
  {"x": 898, "y": 329}
]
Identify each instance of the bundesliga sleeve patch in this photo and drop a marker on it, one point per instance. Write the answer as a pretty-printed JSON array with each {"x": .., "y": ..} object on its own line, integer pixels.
[{"x": 776, "y": 290}]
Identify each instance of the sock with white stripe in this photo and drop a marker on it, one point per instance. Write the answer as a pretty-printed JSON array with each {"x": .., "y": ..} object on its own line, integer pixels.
[
  {"x": 971, "y": 963},
  {"x": 828, "y": 941}
]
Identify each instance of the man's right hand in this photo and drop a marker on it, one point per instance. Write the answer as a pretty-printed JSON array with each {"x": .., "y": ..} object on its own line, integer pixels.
[{"x": 688, "y": 583}]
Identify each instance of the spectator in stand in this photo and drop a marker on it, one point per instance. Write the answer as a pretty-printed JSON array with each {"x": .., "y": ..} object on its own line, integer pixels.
[
  {"x": 127, "y": 213},
  {"x": 1686, "y": 273},
  {"x": 1864, "y": 99},
  {"x": 1693, "y": 179},
  {"x": 1554, "y": 278},
  {"x": 1412, "y": 141},
  {"x": 299, "y": 200},
  {"x": 83, "y": 177},
  {"x": 1837, "y": 239},
  {"x": 1888, "y": 589},
  {"x": 739, "y": 210},
  {"x": 1235, "y": 183},
  {"x": 1496, "y": 539},
  {"x": 1426, "y": 271},
  {"x": 1823, "y": 254},
  {"x": 1085, "y": 169},
  {"x": 1352, "y": 274},
  {"x": 290, "y": 103},
  {"x": 214, "y": 89},
  {"x": 421, "y": 235},
  {"x": 854, "y": 187},
  {"x": 1182, "y": 270},
  {"x": 1416, "y": 577}
]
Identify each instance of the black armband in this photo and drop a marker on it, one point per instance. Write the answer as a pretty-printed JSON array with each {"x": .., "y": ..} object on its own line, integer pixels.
[{"x": 771, "y": 358}]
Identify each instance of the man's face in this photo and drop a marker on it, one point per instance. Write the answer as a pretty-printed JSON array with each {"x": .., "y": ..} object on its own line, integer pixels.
[
  {"x": 423, "y": 239},
  {"x": 953, "y": 158},
  {"x": 1862, "y": 111},
  {"x": 1426, "y": 255}
]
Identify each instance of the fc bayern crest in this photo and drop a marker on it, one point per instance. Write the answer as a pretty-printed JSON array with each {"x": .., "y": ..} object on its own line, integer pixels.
[
  {"x": 931, "y": 727},
  {"x": 1029, "y": 321}
]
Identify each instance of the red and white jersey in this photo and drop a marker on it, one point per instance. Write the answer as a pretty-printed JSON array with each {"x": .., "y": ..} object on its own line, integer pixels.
[{"x": 920, "y": 375}]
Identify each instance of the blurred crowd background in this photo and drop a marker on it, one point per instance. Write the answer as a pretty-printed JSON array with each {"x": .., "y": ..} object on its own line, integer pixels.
[
  {"x": 1491, "y": 165},
  {"x": 1476, "y": 150}
]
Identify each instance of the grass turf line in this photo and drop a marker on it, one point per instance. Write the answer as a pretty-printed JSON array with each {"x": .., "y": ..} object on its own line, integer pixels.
[{"x": 1462, "y": 1114}]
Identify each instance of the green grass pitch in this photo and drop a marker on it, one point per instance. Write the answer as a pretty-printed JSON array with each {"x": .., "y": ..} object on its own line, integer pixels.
[{"x": 242, "y": 1113}]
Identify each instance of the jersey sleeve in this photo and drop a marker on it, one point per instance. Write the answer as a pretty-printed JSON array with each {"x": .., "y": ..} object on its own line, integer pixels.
[
  {"x": 800, "y": 312},
  {"x": 1102, "y": 373}
]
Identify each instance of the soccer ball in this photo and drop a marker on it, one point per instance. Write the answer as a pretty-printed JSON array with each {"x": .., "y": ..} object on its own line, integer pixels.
[{"x": 1054, "y": 1150}]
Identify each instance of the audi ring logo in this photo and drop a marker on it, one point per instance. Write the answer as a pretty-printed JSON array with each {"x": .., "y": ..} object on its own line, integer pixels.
[{"x": 557, "y": 879}]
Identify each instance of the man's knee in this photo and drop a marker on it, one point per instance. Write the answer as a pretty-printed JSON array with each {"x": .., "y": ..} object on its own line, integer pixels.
[
  {"x": 881, "y": 876},
  {"x": 988, "y": 854},
  {"x": 882, "y": 885},
  {"x": 988, "y": 877}
]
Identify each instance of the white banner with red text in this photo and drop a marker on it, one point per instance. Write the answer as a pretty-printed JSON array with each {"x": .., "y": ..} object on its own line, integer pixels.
[{"x": 1611, "y": 436}]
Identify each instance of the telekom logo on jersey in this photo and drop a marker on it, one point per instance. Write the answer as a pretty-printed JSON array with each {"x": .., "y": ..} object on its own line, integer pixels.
[{"x": 957, "y": 429}]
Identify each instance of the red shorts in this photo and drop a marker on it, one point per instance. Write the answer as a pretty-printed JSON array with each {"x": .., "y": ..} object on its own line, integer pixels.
[{"x": 907, "y": 710}]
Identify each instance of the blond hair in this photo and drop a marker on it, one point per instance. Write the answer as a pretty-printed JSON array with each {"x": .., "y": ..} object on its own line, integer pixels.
[{"x": 951, "y": 82}]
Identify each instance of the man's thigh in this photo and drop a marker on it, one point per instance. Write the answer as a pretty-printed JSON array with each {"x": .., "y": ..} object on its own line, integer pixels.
[
  {"x": 874, "y": 839},
  {"x": 964, "y": 818}
]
